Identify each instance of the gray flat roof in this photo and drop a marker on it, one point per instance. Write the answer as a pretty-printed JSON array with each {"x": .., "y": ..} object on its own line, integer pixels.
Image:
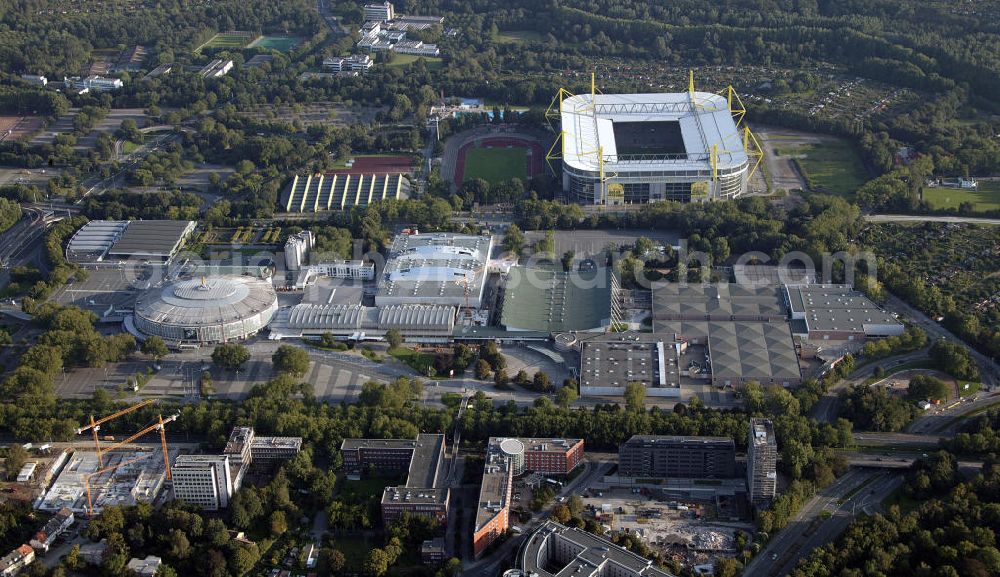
[
  {"x": 407, "y": 494},
  {"x": 436, "y": 265},
  {"x": 426, "y": 461},
  {"x": 152, "y": 237},
  {"x": 716, "y": 301},
  {"x": 647, "y": 440},
  {"x": 836, "y": 308},
  {"x": 354, "y": 444},
  {"x": 750, "y": 350},
  {"x": 593, "y": 556},
  {"x": 616, "y": 360}
]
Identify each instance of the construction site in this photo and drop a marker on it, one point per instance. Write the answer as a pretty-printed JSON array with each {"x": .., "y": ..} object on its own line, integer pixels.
[{"x": 117, "y": 473}]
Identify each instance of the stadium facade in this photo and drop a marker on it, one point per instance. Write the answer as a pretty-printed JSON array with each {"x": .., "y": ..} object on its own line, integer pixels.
[{"x": 641, "y": 148}]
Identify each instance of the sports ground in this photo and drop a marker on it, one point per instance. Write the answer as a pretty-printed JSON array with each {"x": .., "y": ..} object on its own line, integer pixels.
[
  {"x": 279, "y": 43},
  {"x": 984, "y": 198},
  {"x": 496, "y": 159},
  {"x": 235, "y": 39}
]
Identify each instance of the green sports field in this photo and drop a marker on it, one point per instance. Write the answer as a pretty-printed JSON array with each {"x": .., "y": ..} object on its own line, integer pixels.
[
  {"x": 496, "y": 164},
  {"x": 404, "y": 60},
  {"x": 279, "y": 43},
  {"x": 237, "y": 40},
  {"x": 986, "y": 197}
]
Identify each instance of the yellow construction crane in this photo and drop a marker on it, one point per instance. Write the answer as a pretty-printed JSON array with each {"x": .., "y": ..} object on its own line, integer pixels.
[{"x": 95, "y": 426}]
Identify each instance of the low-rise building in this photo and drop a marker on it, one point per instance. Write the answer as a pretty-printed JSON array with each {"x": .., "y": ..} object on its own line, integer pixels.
[
  {"x": 55, "y": 526},
  {"x": 355, "y": 63},
  {"x": 35, "y": 79},
  {"x": 216, "y": 68},
  {"x": 93, "y": 83},
  {"x": 837, "y": 312},
  {"x": 12, "y": 563},
  {"x": 147, "y": 567},
  {"x": 270, "y": 449},
  {"x": 27, "y": 472},
  {"x": 94, "y": 553}
]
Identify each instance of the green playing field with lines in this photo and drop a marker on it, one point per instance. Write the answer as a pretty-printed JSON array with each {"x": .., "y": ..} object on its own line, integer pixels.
[
  {"x": 279, "y": 43},
  {"x": 228, "y": 40},
  {"x": 986, "y": 197},
  {"x": 496, "y": 164}
]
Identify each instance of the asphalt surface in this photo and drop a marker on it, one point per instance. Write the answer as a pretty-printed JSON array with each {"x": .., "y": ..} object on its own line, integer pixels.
[{"x": 929, "y": 218}]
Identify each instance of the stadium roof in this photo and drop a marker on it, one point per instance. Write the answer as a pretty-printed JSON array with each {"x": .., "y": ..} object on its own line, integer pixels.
[
  {"x": 341, "y": 317},
  {"x": 588, "y": 123},
  {"x": 207, "y": 301},
  {"x": 159, "y": 238},
  {"x": 555, "y": 301},
  {"x": 320, "y": 192},
  {"x": 93, "y": 240}
]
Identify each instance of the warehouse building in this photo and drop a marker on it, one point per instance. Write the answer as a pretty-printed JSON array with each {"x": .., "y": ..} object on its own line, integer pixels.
[
  {"x": 536, "y": 299},
  {"x": 837, "y": 312},
  {"x": 417, "y": 323},
  {"x": 436, "y": 269},
  {"x": 152, "y": 240},
  {"x": 91, "y": 243},
  {"x": 662, "y": 457},
  {"x": 611, "y": 361}
]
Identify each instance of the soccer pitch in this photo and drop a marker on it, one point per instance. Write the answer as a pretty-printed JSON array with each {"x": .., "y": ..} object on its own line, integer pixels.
[{"x": 496, "y": 164}]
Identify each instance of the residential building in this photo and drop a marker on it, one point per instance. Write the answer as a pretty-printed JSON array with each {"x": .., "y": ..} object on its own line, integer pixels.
[
  {"x": 297, "y": 249},
  {"x": 203, "y": 480},
  {"x": 147, "y": 567},
  {"x": 380, "y": 12},
  {"x": 12, "y": 563},
  {"x": 657, "y": 456},
  {"x": 44, "y": 538},
  {"x": 762, "y": 458},
  {"x": 555, "y": 549}
]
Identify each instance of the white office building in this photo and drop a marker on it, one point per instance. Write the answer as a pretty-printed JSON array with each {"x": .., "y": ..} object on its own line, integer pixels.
[
  {"x": 355, "y": 63},
  {"x": 203, "y": 480},
  {"x": 95, "y": 83},
  {"x": 297, "y": 249},
  {"x": 380, "y": 12}
]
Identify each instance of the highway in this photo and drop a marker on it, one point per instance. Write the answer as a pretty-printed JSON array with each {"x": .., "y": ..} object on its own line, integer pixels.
[{"x": 859, "y": 490}]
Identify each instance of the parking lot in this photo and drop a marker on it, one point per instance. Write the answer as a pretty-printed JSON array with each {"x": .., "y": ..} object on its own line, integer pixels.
[{"x": 104, "y": 288}]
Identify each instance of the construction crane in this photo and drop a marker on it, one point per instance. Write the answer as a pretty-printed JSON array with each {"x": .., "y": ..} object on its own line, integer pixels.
[
  {"x": 159, "y": 425},
  {"x": 95, "y": 426},
  {"x": 464, "y": 281}
]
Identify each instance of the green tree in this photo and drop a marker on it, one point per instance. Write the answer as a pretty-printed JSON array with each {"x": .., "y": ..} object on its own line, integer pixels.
[
  {"x": 635, "y": 396},
  {"x": 394, "y": 338},
  {"x": 565, "y": 396},
  {"x": 376, "y": 563},
  {"x": 333, "y": 559},
  {"x": 44, "y": 358},
  {"x": 279, "y": 524},
  {"x": 155, "y": 347},
  {"x": 17, "y": 456},
  {"x": 541, "y": 382},
  {"x": 290, "y": 359},
  {"x": 513, "y": 240},
  {"x": 230, "y": 356},
  {"x": 180, "y": 546}
]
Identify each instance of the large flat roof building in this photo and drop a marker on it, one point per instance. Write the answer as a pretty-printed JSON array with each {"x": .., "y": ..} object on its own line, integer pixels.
[
  {"x": 838, "y": 312},
  {"x": 152, "y": 240},
  {"x": 656, "y": 456},
  {"x": 435, "y": 269},
  {"x": 610, "y": 362},
  {"x": 417, "y": 323},
  {"x": 554, "y": 301},
  {"x": 203, "y": 480},
  {"x": 554, "y": 550},
  {"x": 640, "y": 148}
]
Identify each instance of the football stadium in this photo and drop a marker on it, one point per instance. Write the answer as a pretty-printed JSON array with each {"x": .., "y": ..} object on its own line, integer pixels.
[{"x": 640, "y": 148}]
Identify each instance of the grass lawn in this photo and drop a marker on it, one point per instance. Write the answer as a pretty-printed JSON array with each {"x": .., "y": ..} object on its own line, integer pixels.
[
  {"x": 365, "y": 489},
  {"x": 401, "y": 60},
  {"x": 966, "y": 388},
  {"x": 831, "y": 166},
  {"x": 986, "y": 197},
  {"x": 355, "y": 550},
  {"x": 419, "y": 362},
  {"x": 496, "y": 164},
  {"x": 518, "y": 37},
  {"x": 128, "y": 147},
  {"x": 279, "y": 43}
]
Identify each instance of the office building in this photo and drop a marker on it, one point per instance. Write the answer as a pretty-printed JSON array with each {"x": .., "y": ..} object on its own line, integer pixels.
[
  {"x": 433, "y": 551},
  {"x": 762, "y": 458},
  {"x": 147, "y": 567},
  {"x": 216, "y": 68},
  {"x": 661, "y": 457},
  {"x": 93, "y": 83},
  {"x": 267, "y": 450},
  {"x": 297, "y": 249},
  {"x": 203, "y": 480},
  {"x": 423, "y": 461},
  {"x": 354, "y": 63},
  {"x": 555, "y": 549},
  {"x": 510, "y": 457},
  {"x": 379, "y": 12}
]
